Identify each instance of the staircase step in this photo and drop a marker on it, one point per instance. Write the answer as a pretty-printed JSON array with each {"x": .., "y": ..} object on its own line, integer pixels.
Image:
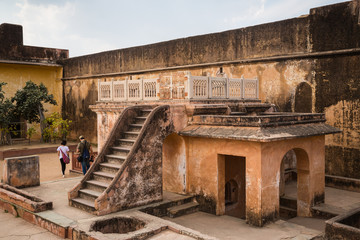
[
  {"x": 109, "y": 167},
  {"x": 104, "y": 174},
  {"x": 141, "y": 118},
  {"x": 145, "y": 112},
  {"x": 131, "y": 135},
  {"x": 289, "y": 202},
  {"x": 126, "y": 140},
  {"x": 84, "y": 204},
  {"x": 121, "y": 151},
  {"x": 98, "y": 183},
  {"x": 183, "y": 209},
  {"x": 118, "y": 157},
  {"x": 92, "y": 193},
  {"x": 287, "y": 213},
  {"x": 125, "y": 149},
  {"x": 327, "y": 211},
  {"x": 136, "y": 125}
]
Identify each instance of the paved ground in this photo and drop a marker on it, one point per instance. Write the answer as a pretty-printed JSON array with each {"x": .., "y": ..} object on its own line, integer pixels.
[
  {"x": 50, "y": 167},
  {"x": 12, "y": 228},
  {"x": 54, "y": 188},
  {"x": 220, "y": 227}
]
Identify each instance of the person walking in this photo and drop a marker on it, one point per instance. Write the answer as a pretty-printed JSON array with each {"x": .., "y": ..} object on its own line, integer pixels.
[
  {"x": 63, "y": 153},
  {"x": 84, "y": 150}
]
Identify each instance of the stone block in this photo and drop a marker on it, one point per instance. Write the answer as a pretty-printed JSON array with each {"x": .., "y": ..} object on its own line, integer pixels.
[{"x": 22, "y": 172}]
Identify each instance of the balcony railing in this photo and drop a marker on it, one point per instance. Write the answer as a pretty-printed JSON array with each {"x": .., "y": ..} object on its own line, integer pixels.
[{"x": 195, "y": 87}]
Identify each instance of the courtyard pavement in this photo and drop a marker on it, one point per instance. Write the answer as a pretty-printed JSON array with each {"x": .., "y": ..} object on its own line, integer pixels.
[{"x": 54, "y": 188}]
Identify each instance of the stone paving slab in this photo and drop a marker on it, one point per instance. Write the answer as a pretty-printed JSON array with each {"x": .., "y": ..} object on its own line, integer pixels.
[
  {"x": 14, "y": 228},
  {"x": 56, "y": 218}
]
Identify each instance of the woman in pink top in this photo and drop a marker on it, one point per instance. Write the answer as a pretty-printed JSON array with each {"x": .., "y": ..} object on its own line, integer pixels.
[{"x": 63, "y": 149}]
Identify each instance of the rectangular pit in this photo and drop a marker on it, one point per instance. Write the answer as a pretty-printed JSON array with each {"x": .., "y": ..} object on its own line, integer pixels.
[{"x": 23, "y": 199}]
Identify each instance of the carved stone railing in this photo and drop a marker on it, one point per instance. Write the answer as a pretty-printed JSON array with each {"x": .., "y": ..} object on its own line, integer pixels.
[
  {"x": 193, "y": 87},
  {"x": 223, "y": 88}
]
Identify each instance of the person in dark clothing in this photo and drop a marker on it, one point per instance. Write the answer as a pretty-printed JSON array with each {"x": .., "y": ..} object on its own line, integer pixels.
[{"x": 84, "y": 149}]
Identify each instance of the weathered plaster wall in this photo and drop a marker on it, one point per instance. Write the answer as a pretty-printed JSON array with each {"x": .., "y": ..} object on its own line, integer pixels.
[
  {"x": 12, "y": 48},
  {"x": 78, "y": 95},
  {"x": 206, "y": 171},
  {"x": 205, "y": 167},
  {"x": 306, "y": 64},
  {"x": 270, "y": 39},
  {"x": 174, "y": 164},
  {"x": 338, "y": 95},
  {"x": 310, "y": 167}
]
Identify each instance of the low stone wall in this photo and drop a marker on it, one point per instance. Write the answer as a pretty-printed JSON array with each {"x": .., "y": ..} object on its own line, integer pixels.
[
  {"x": 345, "y": 226},
  {"x": 23, "y": 199},
  {"x": 22, "y": 172},
  {"x": 22, "y": 204},
  {"x": 344, "y": 183}
]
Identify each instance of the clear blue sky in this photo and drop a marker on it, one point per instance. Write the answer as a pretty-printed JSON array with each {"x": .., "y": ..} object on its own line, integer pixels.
[{"x": 90, "y": 26}]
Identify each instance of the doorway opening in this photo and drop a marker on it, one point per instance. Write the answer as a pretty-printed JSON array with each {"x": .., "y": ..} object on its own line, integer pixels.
[
  {"x": 294, "y": 175},
  {"x": 235, "y": 186}
]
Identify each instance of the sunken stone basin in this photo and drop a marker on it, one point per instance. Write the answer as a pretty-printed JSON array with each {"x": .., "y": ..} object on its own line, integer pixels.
[
  {"x": 345, "y": 226},
  {"x": 23, "y": 199},
  {"x": 117, "y": 225}
]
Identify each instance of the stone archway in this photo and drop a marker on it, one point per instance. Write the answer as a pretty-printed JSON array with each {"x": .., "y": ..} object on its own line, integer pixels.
[
  {"x": 294, "y": 186},
  {"x": 303, "y": 182}
]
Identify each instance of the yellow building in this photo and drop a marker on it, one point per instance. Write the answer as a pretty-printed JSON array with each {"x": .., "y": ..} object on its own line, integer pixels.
[{"x": 19, "y": 64}]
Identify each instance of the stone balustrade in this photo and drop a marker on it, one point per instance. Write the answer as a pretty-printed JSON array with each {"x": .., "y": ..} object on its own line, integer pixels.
[{"x": 194, "y": 87}]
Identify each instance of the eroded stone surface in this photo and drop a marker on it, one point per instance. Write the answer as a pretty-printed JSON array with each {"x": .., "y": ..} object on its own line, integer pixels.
[{"x": 22, "y": 172}]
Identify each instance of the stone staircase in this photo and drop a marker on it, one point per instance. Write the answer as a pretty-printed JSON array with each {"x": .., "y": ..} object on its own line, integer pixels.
[
  {"x": 173, "y": 207},
  {"x": 183, "y": 209},
  {"x": 111, "y": 173}
]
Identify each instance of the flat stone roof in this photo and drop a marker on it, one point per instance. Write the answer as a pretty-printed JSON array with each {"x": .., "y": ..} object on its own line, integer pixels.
[{"x": 259, "y": 134}]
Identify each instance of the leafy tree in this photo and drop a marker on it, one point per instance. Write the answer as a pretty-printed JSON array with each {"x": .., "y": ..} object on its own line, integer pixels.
[
  {"x": 6, "y": 116},
  {"x": 30, "y": 103},
  {"x": 30, "y": 132},
  {"x": 57, "y": 127}
]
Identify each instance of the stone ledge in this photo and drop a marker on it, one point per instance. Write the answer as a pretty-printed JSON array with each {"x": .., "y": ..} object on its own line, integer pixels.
[{"x": 261, "y": 120}]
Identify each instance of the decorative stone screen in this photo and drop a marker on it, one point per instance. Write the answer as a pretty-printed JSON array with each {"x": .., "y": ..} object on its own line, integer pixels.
[
  {"x": 199, "y": 87},
  {"x": 151, "y": 88},
  {"x": 218, "y": 87},
  {"x": 195, "y": 87}
]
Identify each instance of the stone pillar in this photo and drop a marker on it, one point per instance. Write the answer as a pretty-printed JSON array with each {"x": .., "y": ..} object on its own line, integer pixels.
[
  {"x": 22, "y": 172},
  {"x": 254, "y": 189}
]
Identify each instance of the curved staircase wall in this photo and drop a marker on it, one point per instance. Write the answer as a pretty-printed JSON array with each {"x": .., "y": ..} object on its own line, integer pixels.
[
  {"x": 139, "y": 182},
  {"x": 121, "y": 125}
]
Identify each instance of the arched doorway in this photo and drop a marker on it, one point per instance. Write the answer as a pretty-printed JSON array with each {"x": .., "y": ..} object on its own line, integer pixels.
[{"x": 294, "y": 184}]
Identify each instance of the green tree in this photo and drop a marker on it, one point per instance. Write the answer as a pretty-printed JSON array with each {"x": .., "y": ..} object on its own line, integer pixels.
[
  {"x": 30, "y": 103},
  {"x": 6, "y": 116},
  {"x": 30, "y": 132},
  {"x": 57, "y": 127}
]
